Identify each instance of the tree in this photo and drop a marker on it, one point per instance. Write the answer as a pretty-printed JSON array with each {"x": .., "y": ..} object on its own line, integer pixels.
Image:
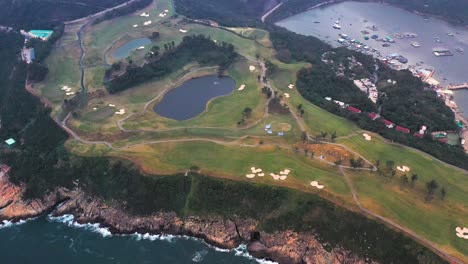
[
  {"x": 390, "y": 164},
  {"x": 431, "y": 186},
  {"x": 414, "y": 178},
  {"x": 247, "y": 112},
  {"x": 304, "y": 136},
  {"x": 324, "y": 134},
  {"x": 443, "y": 193},
  {"x": 155, "y": 35},
  {"x": 333, "y": 136},
  {"x": 404, "y": 179}
]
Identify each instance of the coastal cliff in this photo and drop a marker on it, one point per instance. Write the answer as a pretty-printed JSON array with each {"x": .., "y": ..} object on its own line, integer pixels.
[{"x": 281, "y": 246}]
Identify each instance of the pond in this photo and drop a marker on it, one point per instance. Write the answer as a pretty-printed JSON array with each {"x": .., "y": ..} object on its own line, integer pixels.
[
  {"x": 190, "y": 99},
  {"x": 124, "y": 51}
]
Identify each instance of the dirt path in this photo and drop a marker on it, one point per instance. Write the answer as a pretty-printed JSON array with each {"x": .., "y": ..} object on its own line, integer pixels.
[{"x": 407, "y": 231}]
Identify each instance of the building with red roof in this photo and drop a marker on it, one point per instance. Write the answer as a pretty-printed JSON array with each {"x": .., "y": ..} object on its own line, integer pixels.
[
  {"x": 388, "y": 123},
  {"x": 402, "y": 129},
  {"x": 419, "y": 135},
  {"x": 353, "y": 109},
  {"x": 373, "y": 116}
]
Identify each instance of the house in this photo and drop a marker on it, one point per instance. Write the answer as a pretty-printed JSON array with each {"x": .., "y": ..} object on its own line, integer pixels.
[
  {"x": 402, "y": 129},
  {"x": 388, "y": 124},
  {"x": 418, "y": 134},
  {"x": 353, "y": 109},
  {"x": 373, "y": 116}
]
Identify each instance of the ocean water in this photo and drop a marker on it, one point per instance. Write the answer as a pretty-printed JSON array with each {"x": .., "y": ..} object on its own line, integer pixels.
[
  {"x": 61, "y": 240},
  {"x": 357, "y": 16}
]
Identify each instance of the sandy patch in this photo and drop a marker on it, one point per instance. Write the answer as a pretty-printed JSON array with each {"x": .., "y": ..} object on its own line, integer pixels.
[
  {"x": 251, "y": 68},
  {"x": 147, "y": 23},
  {"x": 141, "y": 47},
  {"x": 250, "y": 176},
  {"x": 403, "y": 168},
  {"x": 144, "y": 15},
  {"x": 316, "y": 185},
  {"x": 94, "y": 108},
  {"x": 242, "y": 87},
  {"x": 291, "y": 86},
  {"x": 261, "y": 174},
  {"x": 162, "y": 14},
  {"x": 287, "y": 95},
  {"x": 366, "y": 136},
  {"x": 135, "y": 26},
  {"x": 183, "y": 31},
  {"x": 462, "y": 232},
  {"x": 112, "y": 105},
  {"x": 120, "y": 112}
]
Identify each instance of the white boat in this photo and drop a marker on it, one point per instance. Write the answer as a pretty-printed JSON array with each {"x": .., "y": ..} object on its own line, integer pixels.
[
  {"x": 336, "y": 26},
  {"x": 415, "y": 44}
]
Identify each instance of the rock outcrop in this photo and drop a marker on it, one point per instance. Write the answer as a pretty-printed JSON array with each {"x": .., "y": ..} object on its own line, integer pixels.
[{"x": 281, "y": 246}]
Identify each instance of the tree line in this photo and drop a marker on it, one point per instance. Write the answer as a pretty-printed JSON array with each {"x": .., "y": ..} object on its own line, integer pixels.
[{"x": 197, "y": 48}]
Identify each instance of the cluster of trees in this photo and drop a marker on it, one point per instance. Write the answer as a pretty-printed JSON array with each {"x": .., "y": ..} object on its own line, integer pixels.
[
  {"x": 41, "y": 14},
  {"x": 127, "y": 9},
  {"x": 226, "y": 12},
  {"x": 409, "y": 104},
  {"x": 196, "y": 48},
  {"x": 321, "y": 81}
]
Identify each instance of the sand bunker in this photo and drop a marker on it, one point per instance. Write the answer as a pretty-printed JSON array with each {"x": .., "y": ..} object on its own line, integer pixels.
[
  {"x": 250, "y": 176},
  {"x": 366, "y": 136},
  {"x": 291, "y": 86},
  {"x": 66, "y": 88},
  {"x": 275, "y": 176},
  {"x": 141, "y": 47},
  {"x": 242, "y": 87},
  {"x": 70, "y": 93},
  {"x": 251, "y": 68},
  {"x": 120, "y": 112},
  {"x": 166, "y": 11},
  {"x": 261, "y": 174},
  {"x": 316, "y": 185},
  {"x": 144, "y": 15},
  {"x": 183, "y": 31},
  {"x": 162, "y": 14},
  {"x": 403, "y": 168},
  {"x": 462, "y": 232},
  {"x": 147, "y": 23},
  {"x": 112, "y": 105},
  {"x": 286, "y": 95},
  {"x": 135, "y": 26},
  {"x": 255, "y": 170},
  {"x": 94, "y": 108}
]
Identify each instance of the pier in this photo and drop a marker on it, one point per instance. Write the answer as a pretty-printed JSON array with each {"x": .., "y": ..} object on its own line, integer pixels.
[{"x": 457, "y": 86}]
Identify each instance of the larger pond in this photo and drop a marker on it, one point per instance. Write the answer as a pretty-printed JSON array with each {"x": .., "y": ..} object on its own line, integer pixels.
[
  {"x": 190, "y": 99},
  {"x": 354, "y": 17},
  {"x": 124, "y": 51}
]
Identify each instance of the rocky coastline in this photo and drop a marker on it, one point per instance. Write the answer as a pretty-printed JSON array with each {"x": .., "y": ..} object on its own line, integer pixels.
[{"x": 281, "y": 246}]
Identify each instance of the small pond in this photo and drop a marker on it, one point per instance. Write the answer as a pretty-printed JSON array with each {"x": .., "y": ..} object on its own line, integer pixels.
[
  {"x": 124, "y": 51},
  {"x": 190, "y": 99}
]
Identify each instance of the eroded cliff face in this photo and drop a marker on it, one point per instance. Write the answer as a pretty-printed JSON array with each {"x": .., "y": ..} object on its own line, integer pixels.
[{"x": 281, "y": 246}]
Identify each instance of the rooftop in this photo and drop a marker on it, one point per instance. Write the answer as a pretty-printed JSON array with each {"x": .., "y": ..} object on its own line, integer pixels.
[{"x": 10, "y": 141}]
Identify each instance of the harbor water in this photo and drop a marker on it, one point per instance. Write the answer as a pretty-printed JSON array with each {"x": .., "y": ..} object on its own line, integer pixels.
[{"x": 354, "y": 17}]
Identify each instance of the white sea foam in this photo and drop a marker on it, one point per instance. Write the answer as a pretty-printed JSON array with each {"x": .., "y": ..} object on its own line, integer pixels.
[
  {"x": 199, "y": 256},
  {"x": 6, "y": 223},
  {"x": 69, "y": 220},
  {"x": 239, "y": 251}
]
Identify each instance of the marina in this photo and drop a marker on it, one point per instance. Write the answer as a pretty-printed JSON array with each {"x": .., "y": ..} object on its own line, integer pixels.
[{"x": 399, "y": 38}]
